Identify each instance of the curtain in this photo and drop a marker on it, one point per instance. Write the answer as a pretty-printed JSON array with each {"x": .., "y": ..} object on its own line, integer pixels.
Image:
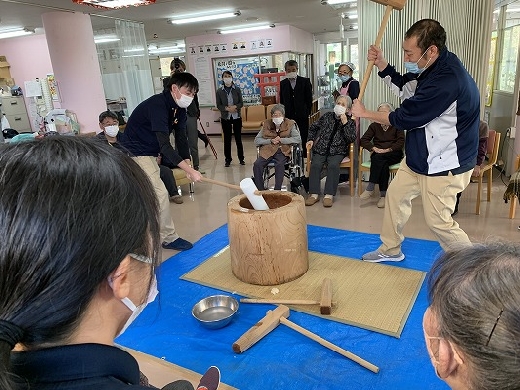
[
  {"x": 468, "y": 29},
  {"x": 136, "y": 76}
]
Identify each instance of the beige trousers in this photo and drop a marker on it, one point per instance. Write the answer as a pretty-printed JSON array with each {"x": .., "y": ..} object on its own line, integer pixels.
[
  {"x": 438, "y": 197},
  {"x": 150, "y": 167}
]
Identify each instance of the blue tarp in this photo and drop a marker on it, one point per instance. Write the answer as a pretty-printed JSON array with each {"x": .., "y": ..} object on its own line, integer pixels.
[{"x": 284, "y": 358}]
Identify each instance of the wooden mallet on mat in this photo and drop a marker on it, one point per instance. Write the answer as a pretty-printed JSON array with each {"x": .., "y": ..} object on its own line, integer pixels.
[
  {"x": 325, "y": 302},
  {"x": 390, "y": 5},
  {"x": 279, "y": 315}
]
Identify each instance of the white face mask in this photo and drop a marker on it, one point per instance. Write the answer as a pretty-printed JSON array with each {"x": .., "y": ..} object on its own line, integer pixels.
[
  {"x": 184, "y": 101},
  {"x": 111, "y": 130},
  {"x": 136, "y": 310},
  {"x": 278, "y": 121},
  {"x": 339, "y": 110},
  {"x": 228, "y": 81},
  {"x": 291, "y": 75}
]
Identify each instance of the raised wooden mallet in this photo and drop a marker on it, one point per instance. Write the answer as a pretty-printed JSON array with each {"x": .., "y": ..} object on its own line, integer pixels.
[
  {"x": 390, "y": 6},
  {"x": 279, "y": 315}
]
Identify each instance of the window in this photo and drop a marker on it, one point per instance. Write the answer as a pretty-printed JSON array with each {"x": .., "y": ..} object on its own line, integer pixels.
[{"x": 508, "y": 62}]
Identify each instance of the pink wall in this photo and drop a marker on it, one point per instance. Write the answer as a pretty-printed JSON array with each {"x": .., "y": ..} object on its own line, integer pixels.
[
  {"x": 283, "y": 39},
  {"x": 29, "y": 59}
]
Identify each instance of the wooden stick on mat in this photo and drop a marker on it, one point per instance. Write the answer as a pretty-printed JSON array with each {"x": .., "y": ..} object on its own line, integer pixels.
[
  {"x": 280, "y": 301},
  {"x": 329, "y": 345},
  {"x": 326, "y": 297}
]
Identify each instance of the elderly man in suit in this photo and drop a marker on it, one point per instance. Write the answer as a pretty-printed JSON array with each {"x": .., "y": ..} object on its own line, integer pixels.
[{"x": 296, "y": 96}]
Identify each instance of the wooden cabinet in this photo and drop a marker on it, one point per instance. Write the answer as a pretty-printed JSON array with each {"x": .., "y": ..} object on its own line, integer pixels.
[{"x": 16, "y": 113}]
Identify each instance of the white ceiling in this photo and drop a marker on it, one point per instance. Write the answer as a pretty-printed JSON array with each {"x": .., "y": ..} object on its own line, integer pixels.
[{"x": 308, "y": 15}]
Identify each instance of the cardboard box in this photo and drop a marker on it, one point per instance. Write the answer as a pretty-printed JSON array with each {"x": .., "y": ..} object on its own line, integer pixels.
[
  {"x": 9, "y": 82},
  {"x": 4, "y": 68}
]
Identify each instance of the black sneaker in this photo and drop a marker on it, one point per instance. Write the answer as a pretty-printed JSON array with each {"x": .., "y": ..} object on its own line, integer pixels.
[
  {"x": 242, "y": 162},
  {"x": 210, "y": 380},
  {"x": 227, "y": 164},
  {"x": 180, "y": 244}
]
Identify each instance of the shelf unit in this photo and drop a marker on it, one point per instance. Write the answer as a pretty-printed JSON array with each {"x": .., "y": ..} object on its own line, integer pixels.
[{"x": 269, "y": 84}]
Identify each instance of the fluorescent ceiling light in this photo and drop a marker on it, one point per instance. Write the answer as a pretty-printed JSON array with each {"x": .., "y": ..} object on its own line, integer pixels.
[
  {"x": 333, "y": 2},
  {"x": 113, "y": 4},
  {"x": 106, "y": 38},
  {"x": 202, "y": 18},
  {"x": 134, "y": 50},
  {"x": 171, "y": 49},
  {"x": 15, "y": 32},
  {"x": 351, "y": 16},
  {"x": 245, "y": 28}
]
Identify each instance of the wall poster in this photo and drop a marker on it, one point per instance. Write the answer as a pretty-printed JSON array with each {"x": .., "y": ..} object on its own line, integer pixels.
[{"x": 243, "y": 70}]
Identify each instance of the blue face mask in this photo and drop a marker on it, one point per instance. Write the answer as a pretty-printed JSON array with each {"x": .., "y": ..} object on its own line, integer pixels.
[
  {"x": 344, "y": 78},
  {"x": 412, "y": 67}
]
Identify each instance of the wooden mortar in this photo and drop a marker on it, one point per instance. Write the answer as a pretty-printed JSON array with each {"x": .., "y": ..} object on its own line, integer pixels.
[{"x": 268, "y": 247}]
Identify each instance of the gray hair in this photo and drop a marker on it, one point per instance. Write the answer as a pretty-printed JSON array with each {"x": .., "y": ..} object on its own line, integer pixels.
[
  {"x": 278, "y": 107},
  {"x": 386, "y": 104},
  {"x": 347, "y": 98},
  {"x": 474, "y": 293}
]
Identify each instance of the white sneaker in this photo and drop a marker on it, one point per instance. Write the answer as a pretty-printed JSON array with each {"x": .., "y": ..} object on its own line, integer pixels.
[
  {"x": 381, "y": 202},
  {"x": 377, "y": 257},
  {"x": 366, "y": 194}
]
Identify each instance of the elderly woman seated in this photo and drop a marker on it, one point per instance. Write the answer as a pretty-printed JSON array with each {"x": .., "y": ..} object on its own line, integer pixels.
[
  {"x": 330, "y": 138},
  {"x": 274, "y": 141},
  {"x": 471, "y": 327},
  {"x": 385, "y": 143}
]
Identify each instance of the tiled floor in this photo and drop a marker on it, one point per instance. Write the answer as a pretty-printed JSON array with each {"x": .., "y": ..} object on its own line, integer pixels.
[{"x": 206, "y": 209}]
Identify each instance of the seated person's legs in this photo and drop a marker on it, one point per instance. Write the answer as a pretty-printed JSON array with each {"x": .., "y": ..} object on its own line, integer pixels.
[{"x": 258, "y": 171}]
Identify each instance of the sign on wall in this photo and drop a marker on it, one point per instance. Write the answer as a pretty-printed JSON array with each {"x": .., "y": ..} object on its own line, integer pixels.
[{"x": 243, "y": 70}]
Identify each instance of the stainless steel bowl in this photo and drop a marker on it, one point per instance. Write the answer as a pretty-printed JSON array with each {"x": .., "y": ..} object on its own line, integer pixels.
[{"x": 216, "y": 311}]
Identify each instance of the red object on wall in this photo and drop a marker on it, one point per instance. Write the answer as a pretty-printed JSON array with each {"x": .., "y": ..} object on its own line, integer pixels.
[
  {"x": 269, "y": 84},
  {"x": 99, "y": 3}
]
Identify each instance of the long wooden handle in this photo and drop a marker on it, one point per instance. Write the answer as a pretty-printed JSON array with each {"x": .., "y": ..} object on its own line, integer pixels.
[
  {"x": 281, "y": 301},
  {"x": 379, "y": 38},
  {"x": 221, "y": 183},
  {"x": 329, "y": 345}
]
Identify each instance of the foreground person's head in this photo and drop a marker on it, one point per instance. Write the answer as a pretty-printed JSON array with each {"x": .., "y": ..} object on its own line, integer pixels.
[
  {"x": 472, "y": 327},
  {"x": 79, "y": 231}
]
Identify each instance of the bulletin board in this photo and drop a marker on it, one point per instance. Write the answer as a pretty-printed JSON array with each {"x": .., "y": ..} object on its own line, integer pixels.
[{"x": 243, "y": 70}]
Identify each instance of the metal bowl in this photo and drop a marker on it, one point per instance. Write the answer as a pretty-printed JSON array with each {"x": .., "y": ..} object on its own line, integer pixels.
[{"x": 216, "y": 311}]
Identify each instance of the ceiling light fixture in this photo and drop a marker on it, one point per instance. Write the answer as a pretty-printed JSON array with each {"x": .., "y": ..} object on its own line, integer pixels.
[
  {"x": 333, "y": 2},
  {"x": 246, "y": 28},
  {"x": 114, "y": 4},
  {"x": 106, "y": 38},
  {"x": 15, "y": 32},
  {"x": 170, "y": 49},
  {"x": 193, "y": 18}
]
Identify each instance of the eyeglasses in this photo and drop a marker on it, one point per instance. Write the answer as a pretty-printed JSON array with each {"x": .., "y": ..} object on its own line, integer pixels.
[
  {"x": 141, "y": 258},
  {"x": 494, "y": 326}
]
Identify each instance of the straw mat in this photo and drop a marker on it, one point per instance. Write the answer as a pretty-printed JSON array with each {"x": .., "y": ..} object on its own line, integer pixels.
[{"x": 377, "y": 297}]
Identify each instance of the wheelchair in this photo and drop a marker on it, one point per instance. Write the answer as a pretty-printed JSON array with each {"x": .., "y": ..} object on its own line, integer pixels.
[{"x": 294, "y": 171}]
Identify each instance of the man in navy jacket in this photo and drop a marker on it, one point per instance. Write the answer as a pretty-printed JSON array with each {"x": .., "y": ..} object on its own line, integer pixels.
[
  {"x": 440, "y": 108},
  {"x": 147, "y": 134}
]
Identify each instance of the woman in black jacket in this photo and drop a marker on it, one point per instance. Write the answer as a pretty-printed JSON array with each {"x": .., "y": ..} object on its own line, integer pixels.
[{"x": 330, "y": 139}]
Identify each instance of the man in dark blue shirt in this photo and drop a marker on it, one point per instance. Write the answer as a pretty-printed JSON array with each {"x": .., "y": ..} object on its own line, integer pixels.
[{"x": 147, "y": 134}]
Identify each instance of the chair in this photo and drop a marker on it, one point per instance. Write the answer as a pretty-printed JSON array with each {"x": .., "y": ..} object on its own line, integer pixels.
[
  {"x": 513, "y": 199},
  {"x": 492, "y": 154},
  {"x": 365, "y": 167},
  {"x": 254, "y": 117},
  {"x": 293, "y": 168},
  {"x": 347, "y": 162},
  {"x": 182, "y": 179}
]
